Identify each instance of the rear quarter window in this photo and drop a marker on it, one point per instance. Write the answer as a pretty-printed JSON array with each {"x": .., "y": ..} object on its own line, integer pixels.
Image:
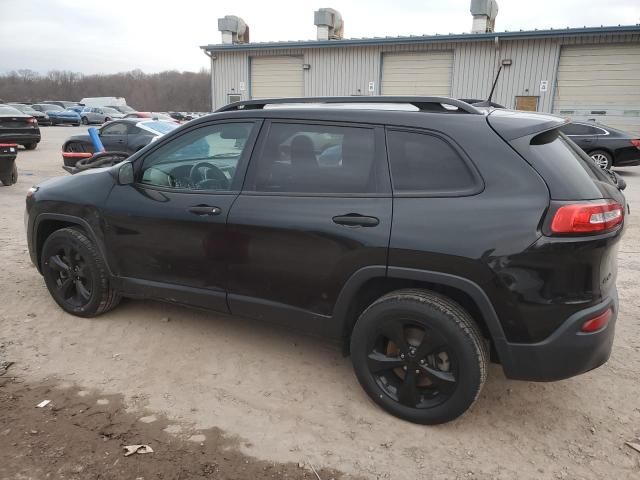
[
  {"x": 568, "y": 171},
  {"x": 425, "y": 164}
]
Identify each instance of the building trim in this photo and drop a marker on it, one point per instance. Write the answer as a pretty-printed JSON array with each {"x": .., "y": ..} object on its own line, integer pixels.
[{"x": 521, "y": 34}]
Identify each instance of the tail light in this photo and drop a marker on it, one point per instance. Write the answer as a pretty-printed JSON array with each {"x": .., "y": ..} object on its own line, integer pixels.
[
  {"x": 597, "y": 323},
  {"x": 579, "y": 218},
  {"x": 636, "y": 143},
  {"x": 32, "y": 120}
]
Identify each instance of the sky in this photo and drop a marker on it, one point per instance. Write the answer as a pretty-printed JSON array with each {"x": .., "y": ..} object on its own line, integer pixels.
[{"x": 92, "y": 36}]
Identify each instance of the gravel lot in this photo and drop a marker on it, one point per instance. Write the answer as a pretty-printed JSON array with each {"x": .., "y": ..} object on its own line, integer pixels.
[{"x": 280, "y": 397}]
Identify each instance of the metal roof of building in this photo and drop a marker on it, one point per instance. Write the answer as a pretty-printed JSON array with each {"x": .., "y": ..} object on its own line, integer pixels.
[{"x": 451, "y": 37}]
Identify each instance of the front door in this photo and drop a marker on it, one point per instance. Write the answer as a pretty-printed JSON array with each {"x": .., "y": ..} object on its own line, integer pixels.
[
  {"x": 114, "y": 137},
  {"x": 315, "y": 208},
  {"x": 167, "y": 231}
]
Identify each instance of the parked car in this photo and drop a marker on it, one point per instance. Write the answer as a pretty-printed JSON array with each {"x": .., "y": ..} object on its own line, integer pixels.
[
  {"x": 154, "y": 115},
  {"x": 64, "y": 104},
  {"x": 443, "y": 236},
  {"x": 607, "y": 146},
  {"x": 42, "y": 118},
  {"x": 57, "y": 114},
  {"x": 99, "y": 115},
  {"x": 125, "y": 135},
  {"x": 124, "y": 109},
  {"x": 8, "y": 167},
  {"x": 18, "y": 127}
]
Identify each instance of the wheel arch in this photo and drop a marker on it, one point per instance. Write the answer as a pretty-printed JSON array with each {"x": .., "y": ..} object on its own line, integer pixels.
[
  {"x": 370, "y": 283},
  {"x": 47, "y": 223}
]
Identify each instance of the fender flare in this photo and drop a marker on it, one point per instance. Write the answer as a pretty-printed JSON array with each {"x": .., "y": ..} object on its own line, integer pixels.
[
  {"x": 472, "y": 289},
  {"x": 68, "y": 219}
]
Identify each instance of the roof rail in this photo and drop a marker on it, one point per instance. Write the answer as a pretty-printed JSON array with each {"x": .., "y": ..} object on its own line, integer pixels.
[{"x": 424, "y": 104}]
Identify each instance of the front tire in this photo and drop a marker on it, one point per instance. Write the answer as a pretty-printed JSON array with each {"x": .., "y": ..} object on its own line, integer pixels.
[
  {"x": 76, "y": 274},
  {"x": 420, "y": 356},
  {"x": 602, "y": 158},
  {"x": 85, "y": 121}
]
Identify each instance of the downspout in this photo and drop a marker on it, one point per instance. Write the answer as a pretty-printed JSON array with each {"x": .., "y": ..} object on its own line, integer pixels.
[{"x": 212, "y": 57}]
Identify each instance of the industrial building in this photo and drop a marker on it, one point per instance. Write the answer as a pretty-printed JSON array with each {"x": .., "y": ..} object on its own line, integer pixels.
[{"x": 582, "y": 73}]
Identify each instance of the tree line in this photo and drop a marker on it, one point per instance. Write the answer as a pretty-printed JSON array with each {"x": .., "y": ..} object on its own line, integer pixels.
[{"x": 156, "y": 92}]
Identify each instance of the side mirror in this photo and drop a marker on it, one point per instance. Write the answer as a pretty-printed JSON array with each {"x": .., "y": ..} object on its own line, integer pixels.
[{"x": 125, "y": 174}]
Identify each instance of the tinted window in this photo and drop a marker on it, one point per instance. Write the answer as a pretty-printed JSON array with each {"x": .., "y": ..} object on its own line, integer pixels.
[
  {"x": 568, "y": 171},
  {"x": 160, "y": 126},
  {"x": 203, "y": 159},
  {"x": 114, "y": 129},
  {"x": 579, "y": 129},
  {"x": 425, "y": 163},
  {"x": 298, "y": 158}
]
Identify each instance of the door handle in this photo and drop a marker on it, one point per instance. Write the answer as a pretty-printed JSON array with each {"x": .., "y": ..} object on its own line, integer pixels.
[
  {"x": 205, "y": 210},
  {"x": 356, "y": 220}
]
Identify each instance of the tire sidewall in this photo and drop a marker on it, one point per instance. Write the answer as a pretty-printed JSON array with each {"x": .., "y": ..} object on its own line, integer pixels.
[
  {"x": 469, "y": 378},
  {"x": 56, "y": 241}
]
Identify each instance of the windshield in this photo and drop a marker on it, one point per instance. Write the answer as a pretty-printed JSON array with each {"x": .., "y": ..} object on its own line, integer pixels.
[
  {"x": 110, "y": 110},
  {"x": 25, "y": 109},
  {"x": 159, "y": 126},
  {"x": 52, "y": 108},
  {"x": 124, "y": 108}
]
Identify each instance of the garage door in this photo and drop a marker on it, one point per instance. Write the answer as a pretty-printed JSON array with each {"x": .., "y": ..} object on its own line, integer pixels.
[
  {"x": 273, "y": 77},
  {"x": 417, "y": 73},
  {"x": 600, "y": 82}
]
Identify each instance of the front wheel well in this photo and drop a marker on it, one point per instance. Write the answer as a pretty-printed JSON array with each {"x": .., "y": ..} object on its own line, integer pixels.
[
  {"x": 377, "y": 287},
  {"x": 46, "y": 228}
]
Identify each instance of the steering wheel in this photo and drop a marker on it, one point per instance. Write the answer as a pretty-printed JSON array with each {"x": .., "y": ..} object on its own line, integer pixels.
[{"x": 216, "y": 174}]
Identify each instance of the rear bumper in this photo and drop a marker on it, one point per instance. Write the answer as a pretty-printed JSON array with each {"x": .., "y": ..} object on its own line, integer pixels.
[
  {"x": 567, "y": 352},
  {"x": 20, "y": 138}
]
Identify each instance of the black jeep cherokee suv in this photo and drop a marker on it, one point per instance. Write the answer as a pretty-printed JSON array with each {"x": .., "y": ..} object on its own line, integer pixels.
[{"x": 424, "y": 233}]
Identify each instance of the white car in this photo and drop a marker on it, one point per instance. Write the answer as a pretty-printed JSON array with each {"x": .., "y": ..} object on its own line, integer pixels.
[{"x": 99, "y": 115}]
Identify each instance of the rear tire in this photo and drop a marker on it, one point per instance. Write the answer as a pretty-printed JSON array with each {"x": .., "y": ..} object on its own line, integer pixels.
[
  {"x": 602, "y": 158},
  {"x": 76, "y": 275},
  {"x": 30, "y": 146},
  {"x": 420, "y": 356},
  {"x": 12, "y": 178}
]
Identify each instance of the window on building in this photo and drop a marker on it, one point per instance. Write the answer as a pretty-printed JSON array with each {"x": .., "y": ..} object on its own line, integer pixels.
[
  {"x": 299, "y": 158},
  {"x": 234, "y": 97},
  {"x": 527, "y": 103},
  {"x": 424, "y": 163}
]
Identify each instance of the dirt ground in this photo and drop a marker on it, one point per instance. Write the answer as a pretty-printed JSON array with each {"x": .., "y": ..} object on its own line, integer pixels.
[{"x": 271, "y": 397}]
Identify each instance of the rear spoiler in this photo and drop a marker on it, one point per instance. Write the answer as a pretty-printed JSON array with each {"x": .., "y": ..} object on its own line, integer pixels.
[{"x": 512, "y": 124}]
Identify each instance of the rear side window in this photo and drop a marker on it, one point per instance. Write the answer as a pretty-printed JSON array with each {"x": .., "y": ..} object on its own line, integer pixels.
[
  {"x": 315, "y": 159},
  {"x": 425, "y": 164},
  {"x": 579, "y": 129},
  {"x": 568, "y": 171}
]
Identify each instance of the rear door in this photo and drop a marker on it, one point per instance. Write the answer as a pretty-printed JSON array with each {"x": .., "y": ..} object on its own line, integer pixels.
[{"x": 315, "y": 208}]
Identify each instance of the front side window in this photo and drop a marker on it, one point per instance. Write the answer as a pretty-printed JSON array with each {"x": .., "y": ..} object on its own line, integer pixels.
[
  {"x": 301, "y": 158},
  {"x": 114, "y": 129},
  {"x": 203, "y": 159},
  {"x": 425, "y": 164}
]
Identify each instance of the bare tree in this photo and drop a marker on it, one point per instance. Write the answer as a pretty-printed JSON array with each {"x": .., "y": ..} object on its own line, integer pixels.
[{"x": 164, "y": 91}]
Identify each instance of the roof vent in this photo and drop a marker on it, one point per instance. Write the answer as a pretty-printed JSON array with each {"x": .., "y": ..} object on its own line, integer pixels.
[
  {"x": 233, "y": 29},
  {"x": 484, "y": 15},
  {"x": 329, "y": 23}
]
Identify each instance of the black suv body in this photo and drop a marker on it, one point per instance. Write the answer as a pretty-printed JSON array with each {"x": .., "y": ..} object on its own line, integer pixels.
[{"x": 425, "y": 240}]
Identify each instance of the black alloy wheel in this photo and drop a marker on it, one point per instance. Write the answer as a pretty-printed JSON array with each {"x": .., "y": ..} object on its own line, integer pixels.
[
  {"x": 69, "y": 272},
  {"x": 414, "y": 366}
]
